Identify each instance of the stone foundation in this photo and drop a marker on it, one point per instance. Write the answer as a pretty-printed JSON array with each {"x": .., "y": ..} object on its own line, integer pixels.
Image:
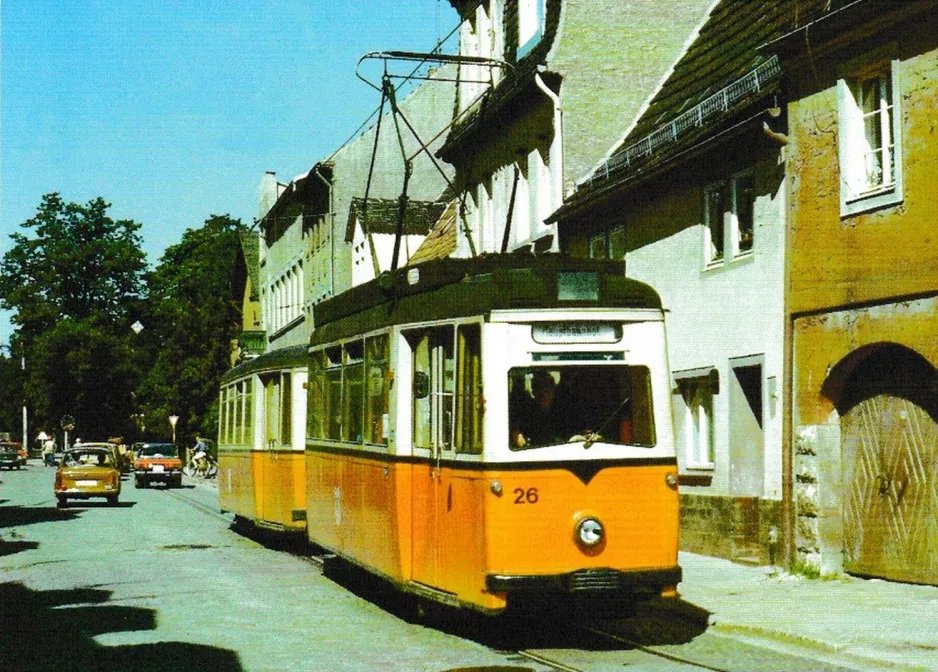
[{"x": 742, "y": 529}]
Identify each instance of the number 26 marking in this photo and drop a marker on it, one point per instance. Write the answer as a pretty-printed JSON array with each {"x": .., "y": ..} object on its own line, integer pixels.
[{"x": 523, "y": 496}]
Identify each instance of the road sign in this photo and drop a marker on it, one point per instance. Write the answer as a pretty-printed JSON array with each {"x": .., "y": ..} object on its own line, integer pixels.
[{"x": 67, "y": 423}]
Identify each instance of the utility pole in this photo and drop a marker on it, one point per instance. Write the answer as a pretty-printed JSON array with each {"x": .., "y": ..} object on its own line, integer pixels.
[{"x": 25, "y": 433}]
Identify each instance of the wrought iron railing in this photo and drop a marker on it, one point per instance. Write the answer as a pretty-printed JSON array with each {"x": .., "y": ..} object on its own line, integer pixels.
[{"x": 697, "y": 116}]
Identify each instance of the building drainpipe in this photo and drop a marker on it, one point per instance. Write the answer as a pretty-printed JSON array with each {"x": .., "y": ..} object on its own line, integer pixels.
[
  {"x": 556, "y": 147},
  {"x": 331, "y": 228}
]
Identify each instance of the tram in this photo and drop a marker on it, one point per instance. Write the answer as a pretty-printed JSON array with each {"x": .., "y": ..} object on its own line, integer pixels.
[
  {"x": 262, "y": 420},
  {"x": 496, "y": 431}
]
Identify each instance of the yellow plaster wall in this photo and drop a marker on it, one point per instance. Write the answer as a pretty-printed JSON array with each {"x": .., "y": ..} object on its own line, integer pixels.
[
  {"x": 821, "y": 341},
  {"x": 869, "y": 257}
]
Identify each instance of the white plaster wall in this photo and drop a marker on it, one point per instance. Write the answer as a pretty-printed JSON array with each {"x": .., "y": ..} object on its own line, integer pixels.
[{"x": 716, "y": 315}]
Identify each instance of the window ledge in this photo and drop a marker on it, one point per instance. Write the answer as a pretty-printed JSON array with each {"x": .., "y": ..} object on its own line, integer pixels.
[
  {"x": 729, "y": 262},
  {"x": 873, "y": 200},
  {"x": 704, "y": 466},
  {"x": 700, "y": 479}
]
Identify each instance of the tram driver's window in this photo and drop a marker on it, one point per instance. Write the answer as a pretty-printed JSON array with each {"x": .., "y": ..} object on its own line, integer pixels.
[
  {"x": 434, "y": 370},
  {"x": 579, "y": 403}
]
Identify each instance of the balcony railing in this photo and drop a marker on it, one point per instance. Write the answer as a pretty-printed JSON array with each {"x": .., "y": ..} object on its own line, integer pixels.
[{"x": 252, "y": 343}]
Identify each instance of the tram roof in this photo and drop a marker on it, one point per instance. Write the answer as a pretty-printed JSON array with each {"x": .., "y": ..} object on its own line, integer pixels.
[
  {"x": 282, "y": 358},
  {"x": 452, "y": 288}
]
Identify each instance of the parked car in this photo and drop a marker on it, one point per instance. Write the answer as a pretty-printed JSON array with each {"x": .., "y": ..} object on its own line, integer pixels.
[
  {"x": 87, "y": 471},
  {"x": 157, "y": 463},
  {"x": 10, "y": 456}
]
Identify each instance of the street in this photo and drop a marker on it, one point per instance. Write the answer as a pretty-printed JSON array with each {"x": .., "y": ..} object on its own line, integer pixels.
[{"x": 162, "y": 582}]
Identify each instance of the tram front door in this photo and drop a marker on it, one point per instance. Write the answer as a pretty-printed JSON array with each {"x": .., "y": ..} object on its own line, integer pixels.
[{"x": 433, "y": 398}]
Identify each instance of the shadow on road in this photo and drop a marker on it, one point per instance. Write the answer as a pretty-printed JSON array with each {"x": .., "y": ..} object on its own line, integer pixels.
[
  {"x": 559, "y": 625},
  {"x": 53, "y": 630},
  {"x": 82, "y": 504},
  {"x": 15, "y": 516}
]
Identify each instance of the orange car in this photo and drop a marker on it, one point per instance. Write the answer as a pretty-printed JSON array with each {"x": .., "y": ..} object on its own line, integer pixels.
[
  {"x": 87, "y": 472},
  {"x": 157, "y": 463}
]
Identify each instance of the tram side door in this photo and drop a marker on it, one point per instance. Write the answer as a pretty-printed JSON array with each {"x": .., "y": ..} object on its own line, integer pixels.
[
  {"x": 268, "y": 495},
  {"x": 433, "y": 399}
]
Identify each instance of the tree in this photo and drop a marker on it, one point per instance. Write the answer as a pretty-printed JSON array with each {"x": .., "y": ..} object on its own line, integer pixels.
[
  {"x": 191, "y": 318},
  {"x": 73, "y": 281}
]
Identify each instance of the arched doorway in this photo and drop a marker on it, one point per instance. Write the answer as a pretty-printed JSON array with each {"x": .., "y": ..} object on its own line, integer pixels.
[{"x": 887, "y": 397}]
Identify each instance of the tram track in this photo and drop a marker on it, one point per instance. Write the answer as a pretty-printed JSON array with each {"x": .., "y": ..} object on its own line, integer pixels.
[
  {"x": 554, "y": 663},
  {"x": 538, "y": 656}
]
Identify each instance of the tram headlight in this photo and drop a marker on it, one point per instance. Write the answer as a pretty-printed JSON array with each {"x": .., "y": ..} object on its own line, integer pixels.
[
  {"x": 671, "y": 480},
  {"x": 496, "y": 488},
  {"x": 589, "y": 532}
]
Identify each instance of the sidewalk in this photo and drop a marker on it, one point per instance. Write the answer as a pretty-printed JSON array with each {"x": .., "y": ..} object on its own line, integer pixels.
[{"x": 867, "y": 624}]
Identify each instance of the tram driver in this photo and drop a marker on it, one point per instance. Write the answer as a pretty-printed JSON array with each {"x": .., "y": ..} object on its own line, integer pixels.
[{"x": 535, "y": 418}]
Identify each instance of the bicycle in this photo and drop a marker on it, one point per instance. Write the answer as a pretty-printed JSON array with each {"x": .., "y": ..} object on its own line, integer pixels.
[{"x": 201, "y": 466}]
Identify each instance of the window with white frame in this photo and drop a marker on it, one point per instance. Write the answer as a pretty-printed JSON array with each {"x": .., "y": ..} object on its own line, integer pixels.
[
  {"x": 870, "y": 148},
  {"x": 530, "y": 25},
  {"x": 729, "y": 218},
  {"x": 697, "y": 436}
]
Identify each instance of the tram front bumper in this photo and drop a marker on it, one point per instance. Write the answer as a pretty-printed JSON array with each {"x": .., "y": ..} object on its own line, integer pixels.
[{"x": 637, "y": 582}]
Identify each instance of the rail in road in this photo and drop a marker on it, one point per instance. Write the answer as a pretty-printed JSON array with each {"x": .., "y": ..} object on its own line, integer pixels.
[{"x": 585, "y": 646}]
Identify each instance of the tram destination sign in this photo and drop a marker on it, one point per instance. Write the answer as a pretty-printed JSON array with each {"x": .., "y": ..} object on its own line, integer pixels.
[{"x": 576, "y": 332}]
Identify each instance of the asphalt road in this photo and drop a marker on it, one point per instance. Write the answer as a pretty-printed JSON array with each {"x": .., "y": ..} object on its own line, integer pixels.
[{"x": 163, "y": 582}]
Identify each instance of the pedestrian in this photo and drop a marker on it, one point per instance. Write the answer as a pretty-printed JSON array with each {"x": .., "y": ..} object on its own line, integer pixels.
[{"x": 48, "y": 452}]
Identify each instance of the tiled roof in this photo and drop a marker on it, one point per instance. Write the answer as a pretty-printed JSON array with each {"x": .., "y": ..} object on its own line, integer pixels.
[
  {"x": 724, "y": 59},
  {"x": 419, "y": 217},
  {"x": 441, "y": 241}
]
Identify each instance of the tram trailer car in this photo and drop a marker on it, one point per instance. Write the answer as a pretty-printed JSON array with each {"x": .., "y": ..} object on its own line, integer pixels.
[
  {"x": 496, "y": 432},
  {"x": 262, "y": 423}
]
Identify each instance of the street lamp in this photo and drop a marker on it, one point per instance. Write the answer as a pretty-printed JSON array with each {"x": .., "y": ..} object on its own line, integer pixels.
[{"x": 172, "y": 421}]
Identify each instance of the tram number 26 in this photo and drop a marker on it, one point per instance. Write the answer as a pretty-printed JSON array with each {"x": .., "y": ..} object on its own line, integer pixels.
[{"x": 523, "y": 496}]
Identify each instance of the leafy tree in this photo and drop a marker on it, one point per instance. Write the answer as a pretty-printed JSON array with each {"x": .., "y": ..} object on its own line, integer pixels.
[
  {"x": 74, "y": 280},
  {"x": 191, "y": 318}
]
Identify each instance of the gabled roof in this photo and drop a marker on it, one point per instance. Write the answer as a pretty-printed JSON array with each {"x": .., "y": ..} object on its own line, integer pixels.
[
  {"x": 721, "y": 78},
  {"x": 419, "y": 217},
  {"x": 440, "y": 242}
]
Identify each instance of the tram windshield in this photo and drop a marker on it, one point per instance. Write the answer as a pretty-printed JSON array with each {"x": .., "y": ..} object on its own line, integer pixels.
[{"x": 579, "y": 403}]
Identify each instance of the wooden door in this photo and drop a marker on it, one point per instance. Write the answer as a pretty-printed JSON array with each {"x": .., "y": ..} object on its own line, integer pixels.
[{"x": 890, "y": 470}]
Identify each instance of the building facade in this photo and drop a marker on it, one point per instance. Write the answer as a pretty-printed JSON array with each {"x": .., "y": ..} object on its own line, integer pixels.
[
  {"x": 863, "y": 306},
  {"x": 694, "y": 200},
  {"x": 549, "y": 105}
]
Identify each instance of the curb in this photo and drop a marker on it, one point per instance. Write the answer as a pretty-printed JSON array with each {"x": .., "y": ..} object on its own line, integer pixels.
[{"x": 806, "y": 647}]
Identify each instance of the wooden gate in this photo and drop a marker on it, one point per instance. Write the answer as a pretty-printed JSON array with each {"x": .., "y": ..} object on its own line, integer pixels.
[{"x": 890, "y": 470}]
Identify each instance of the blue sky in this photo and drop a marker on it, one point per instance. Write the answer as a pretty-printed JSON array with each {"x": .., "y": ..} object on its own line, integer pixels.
[{"x": 173, "y": 110}]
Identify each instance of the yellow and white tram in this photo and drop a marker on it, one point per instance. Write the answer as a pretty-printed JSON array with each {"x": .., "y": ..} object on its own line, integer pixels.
[
  {"x": 489, "y": 430},
  {"x": 262, "y": 420}
]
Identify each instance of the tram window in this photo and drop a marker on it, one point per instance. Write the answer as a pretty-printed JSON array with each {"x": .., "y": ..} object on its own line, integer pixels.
[
  {"x": 332, "y": 406},
  {"x": 469, "y": 402},
  {"x": 377, "y": 390},
  {"x": 580, "y": 403},
  {"x": 316, "y": 397},
  {"x": 286, "y": 410},
  {"x": 230, "y": 413},
  {"x": 248, "y": 411},
  {"x": 433, "y": 414},
  {"x": 352, "y": 391}
]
